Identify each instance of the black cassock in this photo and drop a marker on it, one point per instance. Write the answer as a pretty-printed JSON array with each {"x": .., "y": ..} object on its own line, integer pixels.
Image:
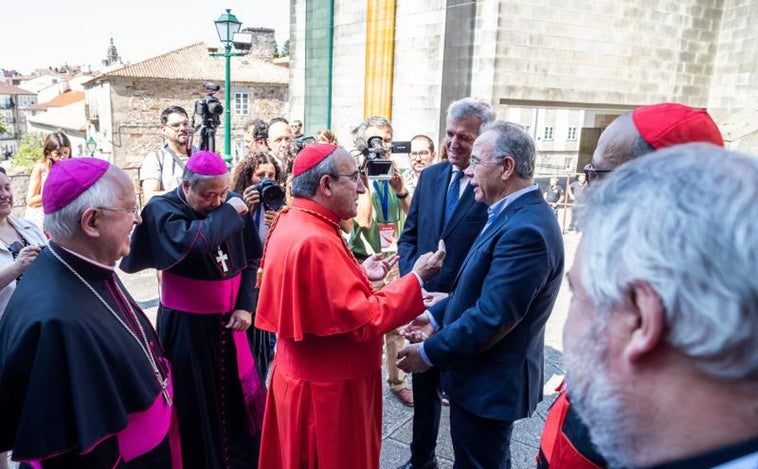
[
  {"x": 209, "y": 265},
  {"x": 72, "y": 378}
]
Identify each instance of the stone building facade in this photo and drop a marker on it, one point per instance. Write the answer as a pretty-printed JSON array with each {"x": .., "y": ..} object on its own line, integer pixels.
[
  {"x": 123, "y": 106},
  {"x": 600, "y": 58}
]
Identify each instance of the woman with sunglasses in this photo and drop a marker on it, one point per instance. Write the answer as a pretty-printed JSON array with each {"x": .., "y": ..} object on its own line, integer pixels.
[{"x": 57, "y": 147}]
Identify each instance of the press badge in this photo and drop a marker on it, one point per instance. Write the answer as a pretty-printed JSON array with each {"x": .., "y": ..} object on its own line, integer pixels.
[{"x": 388, "y": 237}]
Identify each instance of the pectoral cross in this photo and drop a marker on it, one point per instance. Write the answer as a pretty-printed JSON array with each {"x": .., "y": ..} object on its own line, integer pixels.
[
  {"x": 166, "y": 395},
  {"x": 222, "y": 258}
]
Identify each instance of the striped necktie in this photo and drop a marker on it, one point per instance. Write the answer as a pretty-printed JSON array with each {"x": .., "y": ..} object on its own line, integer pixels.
[{"x": 453, "y": 193}]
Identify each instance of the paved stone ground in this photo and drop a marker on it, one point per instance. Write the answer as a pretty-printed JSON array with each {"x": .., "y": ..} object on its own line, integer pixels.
[{"x": 396, "y": 425}]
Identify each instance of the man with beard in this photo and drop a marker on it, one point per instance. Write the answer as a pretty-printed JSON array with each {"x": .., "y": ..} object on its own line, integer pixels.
[
  {"x": 661, "y": 341},
  {"x": 161, "y": 170},
  {"x": 565, "y": 442}
]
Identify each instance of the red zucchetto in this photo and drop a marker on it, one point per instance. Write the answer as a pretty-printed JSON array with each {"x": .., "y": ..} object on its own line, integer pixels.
[
  {"x": 310, "y": 156},
  {"x": 667, "y": 124},
  {"x": 68, "y": 179},
  {"x": 207, "y": 163}
]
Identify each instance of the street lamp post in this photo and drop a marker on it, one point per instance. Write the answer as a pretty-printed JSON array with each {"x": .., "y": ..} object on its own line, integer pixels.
[
  {"x": 227, "y": 26},
  {"x": 91, "y": 146}
]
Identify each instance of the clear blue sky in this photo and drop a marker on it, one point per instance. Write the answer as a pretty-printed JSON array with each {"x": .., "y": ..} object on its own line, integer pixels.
[{"x": 38, "y": 33}]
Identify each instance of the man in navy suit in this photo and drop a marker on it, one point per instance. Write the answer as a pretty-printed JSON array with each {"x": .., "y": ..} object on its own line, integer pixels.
[
  {"x": 487, "y": 337},
  {"x": 424, "y": 227}
]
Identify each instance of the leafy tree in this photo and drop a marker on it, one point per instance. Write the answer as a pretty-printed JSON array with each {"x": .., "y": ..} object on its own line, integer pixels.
[
  {"x": 285, "y": 49},
  {"x": 29, "y": 150},
  {"x": 3, "y": 128}
]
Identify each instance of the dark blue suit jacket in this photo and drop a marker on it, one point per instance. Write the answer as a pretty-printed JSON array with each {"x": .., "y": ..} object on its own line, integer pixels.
[
  {"x": 424, "y": 225},
  {"x": 491, "y": 341}
]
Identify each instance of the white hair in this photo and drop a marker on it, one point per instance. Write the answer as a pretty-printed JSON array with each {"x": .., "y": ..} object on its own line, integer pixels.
[
  {"x": 684, "y": 220},
  {"x": 64, "y": 223}
]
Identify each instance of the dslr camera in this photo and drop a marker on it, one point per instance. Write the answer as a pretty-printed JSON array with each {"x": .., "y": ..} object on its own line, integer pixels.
[
  {"x": 302, "y": 142},
  {"x": 378, "y": 163},
  {"x": 272, "y": 194},
  {"x": 209, "y": 109}
]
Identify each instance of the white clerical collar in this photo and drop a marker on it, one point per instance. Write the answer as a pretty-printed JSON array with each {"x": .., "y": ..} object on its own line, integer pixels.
[{"x": 112, "y": 268}]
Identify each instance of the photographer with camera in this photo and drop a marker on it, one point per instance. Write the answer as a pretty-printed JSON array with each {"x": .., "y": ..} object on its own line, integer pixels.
[
  {"x": 376, "y": 227},
  {"x": 255, "y": 177},
  {"x": 209, "y": 109},
  {"x": 161, "y": 170}
]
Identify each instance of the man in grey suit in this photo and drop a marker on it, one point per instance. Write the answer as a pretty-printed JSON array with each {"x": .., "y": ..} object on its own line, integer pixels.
[{"x": 487, "y": 337}]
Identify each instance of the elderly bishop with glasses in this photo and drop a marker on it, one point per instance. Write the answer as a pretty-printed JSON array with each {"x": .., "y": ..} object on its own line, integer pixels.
[{"x": 84, "y": 381}]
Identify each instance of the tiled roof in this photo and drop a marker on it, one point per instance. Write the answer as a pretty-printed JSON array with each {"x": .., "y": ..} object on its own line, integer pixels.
[
  {"x": 14, "y": 90},
  {"x": 194, "y": 63},
  {"x": 61, "y": 100}
]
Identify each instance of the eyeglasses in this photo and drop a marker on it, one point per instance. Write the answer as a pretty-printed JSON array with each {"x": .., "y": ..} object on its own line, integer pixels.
[
  {"x": 354, "y": 177},
  {"x": 131, "y": 210},
  {"x": 178, "y": 125},
  {"x": 591, "y": 173},
  {"x": 476, "y": 162},
  {"x": 420, "y": 153}
]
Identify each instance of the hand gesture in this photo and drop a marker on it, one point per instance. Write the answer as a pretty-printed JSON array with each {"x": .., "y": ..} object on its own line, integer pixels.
[
  {"x": 429, "y": 264},
  {"x": 377, "y": 266},
  {"x": 240, "y": 320},
  {"x": 397, "y": 182},
  {"x": 252, "y": 197},
  {"x": 409, "y": 359},
  {"x": 431, "y": 298},
  {"x": 238, "y": 205},
  {"x": 419, "y": 329},
  {"x": 25, "y": 257}
]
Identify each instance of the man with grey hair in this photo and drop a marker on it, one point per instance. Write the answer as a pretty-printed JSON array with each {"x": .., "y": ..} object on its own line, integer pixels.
[
  {"x": 377, "y": 226},
  {"x": 565, "y": 442},
  {"x": 443, "y": 207},
  {"x": 487, "y": 337},
  {"x": 83, "y": 379},
  {"x": 662, "y": 335},
  {"x": 202, "y": 239},
  {"x": 324, "y": 406}
]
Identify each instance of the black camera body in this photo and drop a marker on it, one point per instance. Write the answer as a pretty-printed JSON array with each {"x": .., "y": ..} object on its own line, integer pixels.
[
  {"x": 378, "y": 164},
  {"x": 301, "y": 142},
  {"x": 271, "y": 193},
  {"x": 208, "y": 107}
]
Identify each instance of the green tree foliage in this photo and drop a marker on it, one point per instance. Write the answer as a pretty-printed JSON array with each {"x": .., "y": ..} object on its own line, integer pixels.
[
  {"x": 285, "y": 49},
  {"x": 29, "y": 150},
  {"x": 3, "y": 128}
]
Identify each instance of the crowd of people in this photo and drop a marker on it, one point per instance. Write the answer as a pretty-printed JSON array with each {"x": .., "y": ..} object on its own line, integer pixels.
[{"x": 286, "y": 282}]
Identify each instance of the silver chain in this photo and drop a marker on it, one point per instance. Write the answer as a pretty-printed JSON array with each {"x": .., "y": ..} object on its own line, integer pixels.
[{"x": 144, "y": 346}]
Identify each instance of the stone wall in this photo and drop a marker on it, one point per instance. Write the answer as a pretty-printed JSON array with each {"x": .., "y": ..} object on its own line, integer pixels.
[
  {"x": 136, "y": 106},
  {"x": 537, "y": 53},
  {"x": 735, "y": 70}
]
